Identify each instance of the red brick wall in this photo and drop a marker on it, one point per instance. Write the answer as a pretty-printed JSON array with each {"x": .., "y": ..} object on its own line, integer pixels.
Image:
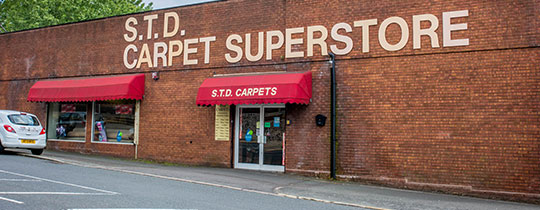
[
  {"x": 459, "y": 119},
  {"x": 473, "y": 124},
  {"x": 173, "y": 128}
]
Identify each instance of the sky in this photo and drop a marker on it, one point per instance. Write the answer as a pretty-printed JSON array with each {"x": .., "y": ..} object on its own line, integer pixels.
[{"x": 160, "y": 4}]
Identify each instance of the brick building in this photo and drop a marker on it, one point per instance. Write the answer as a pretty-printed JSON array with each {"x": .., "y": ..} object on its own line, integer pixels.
[{"x": 434, "y": 95}]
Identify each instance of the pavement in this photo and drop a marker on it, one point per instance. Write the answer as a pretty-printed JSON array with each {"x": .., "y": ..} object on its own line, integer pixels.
[{"x": 284, "y": 185}]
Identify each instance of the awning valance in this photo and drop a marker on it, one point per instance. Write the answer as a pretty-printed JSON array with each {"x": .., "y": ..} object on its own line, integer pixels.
[
  {"x": 88, "y": 89},
  {"x": 293, "y": 87}
]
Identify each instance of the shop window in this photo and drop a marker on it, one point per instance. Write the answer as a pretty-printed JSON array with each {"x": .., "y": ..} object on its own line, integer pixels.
[
  {"x": 114, "y": 121},
  {"x": 66, "y": 121}
]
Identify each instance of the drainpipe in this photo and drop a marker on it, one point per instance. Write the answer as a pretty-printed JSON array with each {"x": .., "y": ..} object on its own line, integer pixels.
[
  {"x": 333, "y": 117},
  {"x": 136, "y": 129}
]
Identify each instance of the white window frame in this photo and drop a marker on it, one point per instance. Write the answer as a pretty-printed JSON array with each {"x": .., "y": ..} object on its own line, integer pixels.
[
  {"x": 136, "y": 126},
  {"x": 253, "y": 166},
  {"x": 60, "y": 140}
]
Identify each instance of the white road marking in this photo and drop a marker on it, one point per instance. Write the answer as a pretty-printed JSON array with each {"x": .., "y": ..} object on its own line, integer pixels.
[
  {"x": 133, "y": 209},
  {"x": 50, "y": 193},
  {"x": 62, "y": 183},
  {"x": 20, "y": 180},
  {"x": 203, "y": 183},
  {"x": 11, "y": 200},
  {"x": 237, "y": 188}
]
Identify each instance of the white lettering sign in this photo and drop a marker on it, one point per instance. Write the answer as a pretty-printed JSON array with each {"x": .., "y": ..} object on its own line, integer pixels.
[
  {"x": 253, "y": 47},
  {"x": 244, "y": 92}
]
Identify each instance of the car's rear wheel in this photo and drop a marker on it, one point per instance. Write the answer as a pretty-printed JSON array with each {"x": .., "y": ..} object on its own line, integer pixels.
[{"x": 37, "y": 151}]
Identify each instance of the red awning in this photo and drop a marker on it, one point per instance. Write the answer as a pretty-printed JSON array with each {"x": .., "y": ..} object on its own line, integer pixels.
[
  {"x": 294, "y": 87},
  {"x": 88, "y": 89}
]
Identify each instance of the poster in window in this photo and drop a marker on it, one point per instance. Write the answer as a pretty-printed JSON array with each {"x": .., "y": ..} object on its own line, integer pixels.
[
  {"x": 222, "y": 122},
  {"x": 68, "y": 108},
  {"x": 123, "y": 109}
]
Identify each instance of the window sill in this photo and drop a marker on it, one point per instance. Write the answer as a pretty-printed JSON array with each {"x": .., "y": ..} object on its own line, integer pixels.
[
  {"x": 107, "y": 142},
  {"x": 62, "y": 140}
]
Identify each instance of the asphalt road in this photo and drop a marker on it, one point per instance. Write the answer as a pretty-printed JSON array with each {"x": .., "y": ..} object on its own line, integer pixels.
[
  {"x": 29, "y": 183},
  {"x": 62, "y": 180}
]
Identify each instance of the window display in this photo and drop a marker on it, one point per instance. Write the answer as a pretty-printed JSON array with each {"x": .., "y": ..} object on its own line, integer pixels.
[
  {"x": 114, "y": 121},
  {"x": 66, "y": 121}
]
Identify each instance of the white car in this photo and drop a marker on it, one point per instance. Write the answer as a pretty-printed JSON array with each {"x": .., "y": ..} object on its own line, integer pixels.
[{"x": 21, "y": 130}]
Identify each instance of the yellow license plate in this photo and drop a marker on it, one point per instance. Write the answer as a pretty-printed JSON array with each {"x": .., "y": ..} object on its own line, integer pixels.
[{"x": 26, "y": 141}]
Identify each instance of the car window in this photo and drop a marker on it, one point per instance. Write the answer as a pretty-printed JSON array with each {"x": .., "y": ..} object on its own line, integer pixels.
[
  {"x": 77, "y": 116},
  {"x": 64, "y": 116},
  {"x": 23, "y": 119}
]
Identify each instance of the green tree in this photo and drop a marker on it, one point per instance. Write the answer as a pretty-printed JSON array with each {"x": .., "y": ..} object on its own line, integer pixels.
[{"x": 16, "y": 15}]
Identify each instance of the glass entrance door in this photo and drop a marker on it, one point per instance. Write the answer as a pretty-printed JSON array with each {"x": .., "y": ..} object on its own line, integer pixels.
[
  {"x": 260, "y": 137},
  {"x": 274, "y": 120},
  {"x": 249, "y": 135}
]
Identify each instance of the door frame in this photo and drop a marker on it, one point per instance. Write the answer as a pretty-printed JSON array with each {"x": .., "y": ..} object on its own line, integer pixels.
[{"x": 252, "y": 166}]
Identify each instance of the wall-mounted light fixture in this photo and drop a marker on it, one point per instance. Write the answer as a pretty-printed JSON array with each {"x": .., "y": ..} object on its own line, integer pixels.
[{"x": 155, "y": 75}]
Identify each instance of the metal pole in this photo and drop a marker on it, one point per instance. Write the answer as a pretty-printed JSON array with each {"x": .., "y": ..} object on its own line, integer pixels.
[{"x": 333, "y": 117}]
